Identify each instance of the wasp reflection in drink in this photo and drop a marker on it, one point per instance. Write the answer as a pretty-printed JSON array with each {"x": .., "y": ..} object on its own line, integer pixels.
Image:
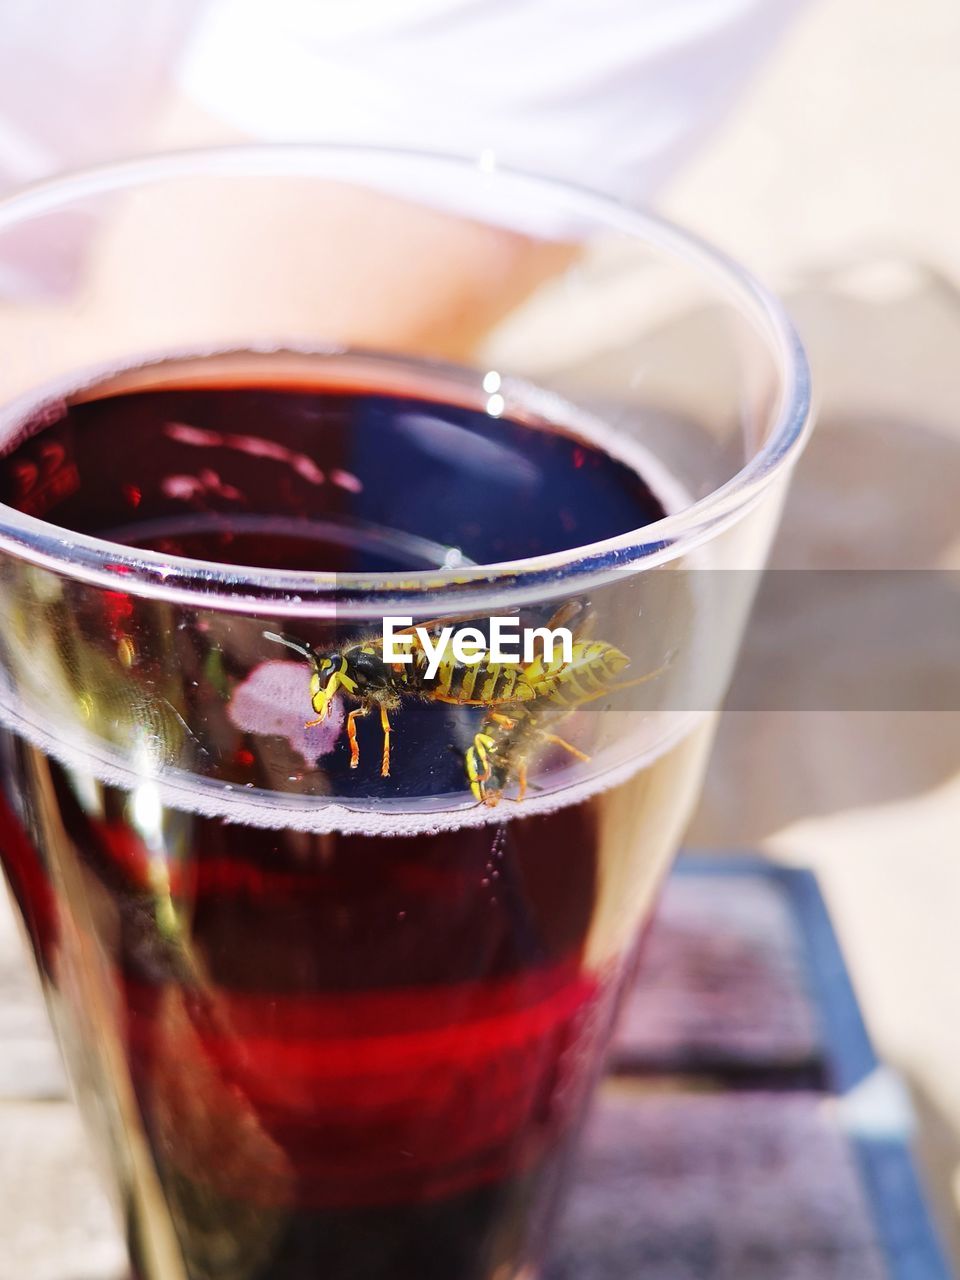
[{"x": 348, "y": 1008}]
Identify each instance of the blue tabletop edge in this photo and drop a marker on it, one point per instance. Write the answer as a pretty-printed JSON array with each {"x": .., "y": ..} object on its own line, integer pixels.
[{"x": 882, "y": 1149}]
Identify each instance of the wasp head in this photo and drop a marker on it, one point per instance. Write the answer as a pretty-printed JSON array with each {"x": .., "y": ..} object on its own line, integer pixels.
[{"x": 359, "y": 671}]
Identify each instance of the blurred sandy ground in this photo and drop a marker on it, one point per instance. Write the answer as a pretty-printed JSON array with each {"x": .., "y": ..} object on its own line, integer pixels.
[
  {"x": 847, "y": 142},
  {"x": 835, "y": 173}
]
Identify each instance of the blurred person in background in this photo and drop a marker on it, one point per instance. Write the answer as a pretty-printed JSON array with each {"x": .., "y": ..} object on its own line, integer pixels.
[{"x": 608, "y": 96}]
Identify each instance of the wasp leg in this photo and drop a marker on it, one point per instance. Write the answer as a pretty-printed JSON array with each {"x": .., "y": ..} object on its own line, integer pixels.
[
  {"x": 611, "y": 689},
  {"x": 567, "y": 746},
  {"x": 352, "y": 734},
  {"x": 651, "y": 675},
  {"x": 521, "y": 782},
  {"x": 508, "y": 722},
  {"x": 312, "y": 724},
  {"x": 385, "y": 725},
  {"x": 477, "y": 761}
]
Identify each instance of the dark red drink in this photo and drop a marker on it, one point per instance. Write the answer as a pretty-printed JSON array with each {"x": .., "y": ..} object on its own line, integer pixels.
[{"x": 348, "y": 1023}]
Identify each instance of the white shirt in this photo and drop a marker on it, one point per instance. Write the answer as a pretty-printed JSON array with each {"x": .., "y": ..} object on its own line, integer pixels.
[{"x": 608, "y": 94}]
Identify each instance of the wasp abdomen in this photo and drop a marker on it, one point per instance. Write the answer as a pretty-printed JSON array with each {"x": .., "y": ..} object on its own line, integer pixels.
[
  {"x": 592, "y": 670},
  {"x": 483, "y": 683}
]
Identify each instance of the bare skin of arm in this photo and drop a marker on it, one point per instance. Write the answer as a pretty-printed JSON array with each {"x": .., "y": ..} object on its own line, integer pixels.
[{"x": 293, "y": 258}]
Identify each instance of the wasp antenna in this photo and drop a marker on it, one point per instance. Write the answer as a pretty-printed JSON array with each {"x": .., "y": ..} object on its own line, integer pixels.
[{"x": 302, "y": 649}]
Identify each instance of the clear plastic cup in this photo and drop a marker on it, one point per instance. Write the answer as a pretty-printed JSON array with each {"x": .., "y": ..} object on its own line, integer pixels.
[{"x": 335, "y": 988}]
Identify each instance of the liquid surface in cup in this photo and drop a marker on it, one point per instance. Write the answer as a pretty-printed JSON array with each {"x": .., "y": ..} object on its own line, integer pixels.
[
  {"x": 342, "y": 478},
  {"x": 348, "y": 1053}
]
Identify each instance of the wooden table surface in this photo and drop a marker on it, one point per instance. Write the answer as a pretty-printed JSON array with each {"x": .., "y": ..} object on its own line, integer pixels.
[{"x": 746, "y": 1130}]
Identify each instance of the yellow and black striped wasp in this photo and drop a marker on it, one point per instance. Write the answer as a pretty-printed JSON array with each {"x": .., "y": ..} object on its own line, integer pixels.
[{"x": 524, "y": 700}]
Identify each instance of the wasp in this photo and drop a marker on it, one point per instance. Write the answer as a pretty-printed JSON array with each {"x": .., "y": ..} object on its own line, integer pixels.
[
  {"x": 524, "y": 700},
  {"x": 509, "y": 738},
  {"x": 360, "y": 671}
]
